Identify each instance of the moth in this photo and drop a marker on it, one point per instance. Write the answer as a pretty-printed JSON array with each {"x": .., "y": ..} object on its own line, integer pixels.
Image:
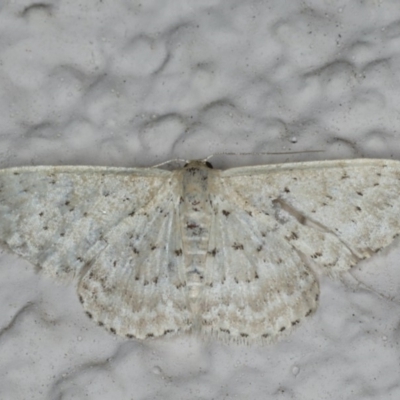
[{"x": 223, "y": 253}]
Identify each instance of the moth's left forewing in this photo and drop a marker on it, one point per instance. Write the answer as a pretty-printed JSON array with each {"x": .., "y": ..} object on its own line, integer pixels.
[{"x": 336, "y": 212}]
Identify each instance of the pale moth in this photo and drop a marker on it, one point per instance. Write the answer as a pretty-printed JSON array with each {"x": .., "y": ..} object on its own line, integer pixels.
[{"x": 219, "y": 253}]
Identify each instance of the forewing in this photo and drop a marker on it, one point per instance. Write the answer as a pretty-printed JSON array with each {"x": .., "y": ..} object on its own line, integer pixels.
[
  {"x": 136, "y": 287},
  {"x": 336, "y": 212},
  {"x": 57, "y": 217},
  {"x": 256, "y": 287}
]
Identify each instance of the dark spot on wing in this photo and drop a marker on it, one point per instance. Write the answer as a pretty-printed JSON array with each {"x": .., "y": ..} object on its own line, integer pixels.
[
  {"x": 237, "y": 246},
  {"x": 89, "y": 314},
  {"x": 112, "y": 330},
  {"x": 200, "y": 275},
  {"x": 295, "y": 322},
  {"x": 282, "y": 329},
  {"x": 135, "y": 250},
  {"x": 359, "y": 193},
  {"x": 293, "y": 236},
  {"x": 244, "y": 335},
  {"x": 178, "y": 252},
  {"x": 100, "y": 323},
  {"x": 213, "y": 252},
  {"x": 259, "y": 247},
  {"x": 80, "y": 299},
  {"x": 153, "y": 247},
  {"x": 358, "y": 208},
  {"x": 194, "y": 204},
  {"x": 150, "y": 335},
  {"x": 308, "y": 312},
  {"x": 225, "y": 330},
  {"x": 197, "y": 230},
  {"x": 41, "y": 214},
  {"x": 130, "y": 336},
  {"x": 316, "y": 255},
  {"x": 168, "y": 331},
  {"x": 286, "y": 190},
  {"x": 226, "y": 213},
  {"x": 345, "y": 176}
]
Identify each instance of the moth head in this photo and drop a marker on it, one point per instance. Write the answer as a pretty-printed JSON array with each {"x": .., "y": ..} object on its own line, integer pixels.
[{"x": 198, "y": 164}]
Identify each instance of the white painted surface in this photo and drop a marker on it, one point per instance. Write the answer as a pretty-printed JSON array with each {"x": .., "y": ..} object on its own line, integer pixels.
[{"x": 125, "y": 83}]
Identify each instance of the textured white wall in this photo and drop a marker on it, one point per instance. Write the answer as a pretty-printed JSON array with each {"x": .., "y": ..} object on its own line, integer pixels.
[{"x": 129, "y": 83}]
